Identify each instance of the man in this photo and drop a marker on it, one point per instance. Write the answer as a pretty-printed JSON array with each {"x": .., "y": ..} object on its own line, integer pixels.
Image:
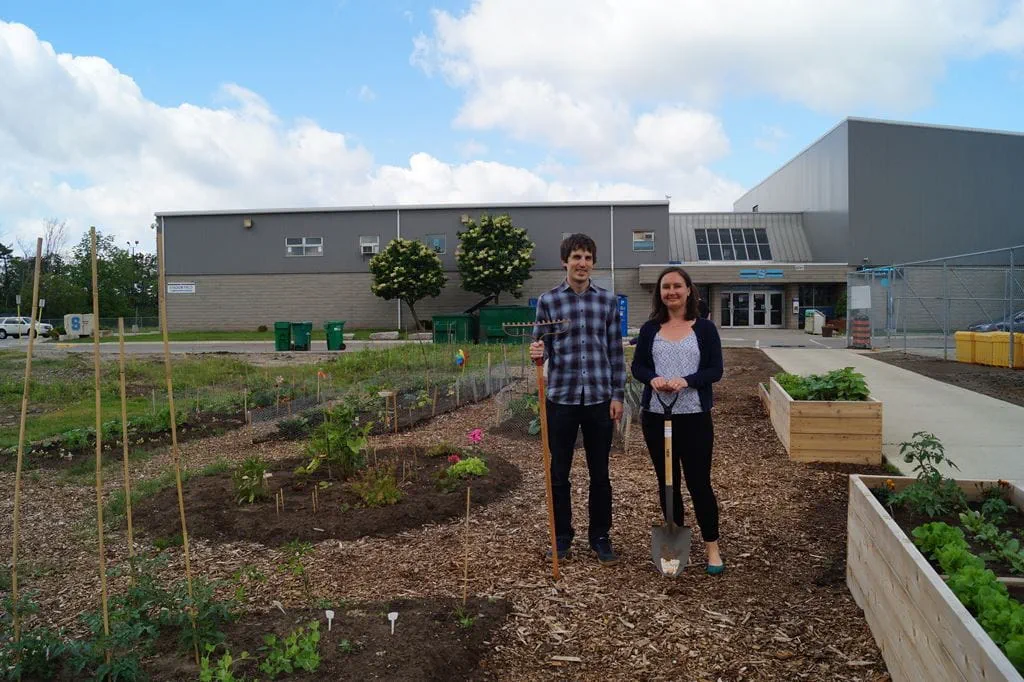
[{"x": 585, "y": 388}]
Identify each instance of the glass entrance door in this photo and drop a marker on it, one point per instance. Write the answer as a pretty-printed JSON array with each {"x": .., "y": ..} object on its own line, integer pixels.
[
  {"x": 775, "y": 308},
  {"x": 752, "y": 308},
  {"x": 741, "y": 309},
  {"x": 760, "y": 309}
]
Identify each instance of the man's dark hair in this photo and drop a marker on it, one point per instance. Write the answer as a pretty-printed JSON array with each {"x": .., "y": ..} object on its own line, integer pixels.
[
  {"x": 578, "y": 241},
  {"x": 659, "y": 311}
]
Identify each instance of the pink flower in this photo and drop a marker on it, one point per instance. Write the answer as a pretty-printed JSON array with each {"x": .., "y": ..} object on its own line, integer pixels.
[
  {"x": 453, "y": 459},
  {"x": 475, "y": 436}
]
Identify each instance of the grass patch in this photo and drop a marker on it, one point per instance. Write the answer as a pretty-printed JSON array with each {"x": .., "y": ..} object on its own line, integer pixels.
[{"x": 318, "y": 334}]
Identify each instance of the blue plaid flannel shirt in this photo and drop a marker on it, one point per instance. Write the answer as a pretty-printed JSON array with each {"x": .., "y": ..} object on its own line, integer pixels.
[{"x": 586, "y": 364}]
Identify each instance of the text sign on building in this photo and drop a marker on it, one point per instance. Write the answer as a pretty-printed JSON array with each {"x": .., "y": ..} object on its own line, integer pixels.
[
  {"x": 760, "y": 274},
  {"x": 181, "y": 287}
]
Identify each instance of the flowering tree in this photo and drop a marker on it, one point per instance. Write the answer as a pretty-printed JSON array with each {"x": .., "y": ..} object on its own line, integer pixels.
[
  {"x": 494, "y": 256},
  {"x": 409, "y": 271}
]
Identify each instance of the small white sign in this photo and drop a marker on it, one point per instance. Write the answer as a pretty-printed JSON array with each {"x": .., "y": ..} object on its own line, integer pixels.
[
  {"x": 181, "y": 287},
  {"x": 860, "y": 297}
]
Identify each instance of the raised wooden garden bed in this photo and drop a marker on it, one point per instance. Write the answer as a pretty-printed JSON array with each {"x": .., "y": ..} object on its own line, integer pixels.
[
  {"x": 846, "y": 431},
  {"x": 921, "y": 628}
]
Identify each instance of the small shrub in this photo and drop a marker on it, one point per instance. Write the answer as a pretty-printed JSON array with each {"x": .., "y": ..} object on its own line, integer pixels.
[
  {"x": 931, "y": 494},
  {"x": 471, "y": 466},
  {"x": 262, "y": 328},
  {"x": 293, "y": 427},
  {"x": 250, "y": 481},
  {"x": 378, "y": 487}
]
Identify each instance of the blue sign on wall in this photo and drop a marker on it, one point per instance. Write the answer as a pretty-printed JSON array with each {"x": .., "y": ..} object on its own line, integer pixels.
[
  {"x": 760, "y": 274},
  {"x": 624, "y": 315}
]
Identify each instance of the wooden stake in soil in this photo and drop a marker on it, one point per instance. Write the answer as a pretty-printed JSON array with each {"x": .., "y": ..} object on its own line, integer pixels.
[
  {"x": 465, "y": 569},
  {"x": 16, "y": 611},
  {"x": 175, "y": 454},
  {"x": 124, "y": 448},
  {"x": 99, "y": 436}
]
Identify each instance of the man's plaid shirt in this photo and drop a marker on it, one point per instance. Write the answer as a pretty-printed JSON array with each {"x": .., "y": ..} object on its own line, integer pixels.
[{"x": 586, "y": 364}]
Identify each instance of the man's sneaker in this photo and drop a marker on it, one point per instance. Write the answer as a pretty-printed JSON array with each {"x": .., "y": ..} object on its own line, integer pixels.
[
  {"x": 564, "y": 550},
  {"x": 605, "y": 554}
]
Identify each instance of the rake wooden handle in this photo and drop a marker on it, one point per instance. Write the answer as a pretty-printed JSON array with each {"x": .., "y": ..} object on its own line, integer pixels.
[{"x": 547, "y": 464}]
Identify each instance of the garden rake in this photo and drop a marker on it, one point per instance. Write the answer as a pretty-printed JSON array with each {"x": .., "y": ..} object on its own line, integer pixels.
[{"x": 537, "y": 331}]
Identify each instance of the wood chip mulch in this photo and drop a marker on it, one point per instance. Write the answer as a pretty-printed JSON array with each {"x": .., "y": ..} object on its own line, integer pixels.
[{"x": 780, "y": 612}]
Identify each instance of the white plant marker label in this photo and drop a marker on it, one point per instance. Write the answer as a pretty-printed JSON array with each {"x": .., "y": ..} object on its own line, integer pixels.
[
  {"x": 393, "y": 616},
  {"x": 330, "y": 617}
]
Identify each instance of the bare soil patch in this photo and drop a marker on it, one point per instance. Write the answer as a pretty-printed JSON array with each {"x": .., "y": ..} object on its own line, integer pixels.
[{"x": 996, "y": 382}]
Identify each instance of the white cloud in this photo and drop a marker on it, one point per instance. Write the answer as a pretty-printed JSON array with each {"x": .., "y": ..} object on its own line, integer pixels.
[
  {"x": 80, "y": 141},
  {"x": 366, "y": 94},
  {"x": 471, "y": 148},
  {"x": 830, "y": 56}
]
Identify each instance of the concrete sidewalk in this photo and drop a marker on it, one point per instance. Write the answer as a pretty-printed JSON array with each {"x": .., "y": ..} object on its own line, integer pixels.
[{"x": 983, "y": 436}]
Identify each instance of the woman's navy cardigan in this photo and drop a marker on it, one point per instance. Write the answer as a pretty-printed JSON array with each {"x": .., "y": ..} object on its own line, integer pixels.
[{"x": 708, "y": 372}]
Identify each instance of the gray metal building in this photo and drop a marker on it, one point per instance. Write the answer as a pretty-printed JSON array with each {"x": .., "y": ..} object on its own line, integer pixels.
[{"x": 866, "y": 193}]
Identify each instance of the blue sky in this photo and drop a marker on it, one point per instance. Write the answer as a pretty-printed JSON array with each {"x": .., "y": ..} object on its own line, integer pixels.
[{"x": 357, "y": 101}]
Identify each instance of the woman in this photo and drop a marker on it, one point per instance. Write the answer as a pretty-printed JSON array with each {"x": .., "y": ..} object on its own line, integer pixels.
[{"x": 678, "y": 357}]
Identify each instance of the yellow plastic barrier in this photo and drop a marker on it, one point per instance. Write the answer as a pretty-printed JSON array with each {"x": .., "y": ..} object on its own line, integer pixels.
[
  {"x": 964, "y": 346},
  {"x": 1001, "y": 349},
  {"x": 983, "y": 348}
]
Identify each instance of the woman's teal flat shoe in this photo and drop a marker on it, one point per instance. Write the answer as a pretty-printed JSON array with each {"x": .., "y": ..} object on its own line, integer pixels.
[{"x": 716, "y": 569}]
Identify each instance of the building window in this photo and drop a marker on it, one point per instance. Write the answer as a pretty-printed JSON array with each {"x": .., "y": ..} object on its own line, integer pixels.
[
  {"x": 437, "y": 243},
  {"x": 369, "y": 245},
  {"x": 304, "y": 246},
  {"x": 733, "y": 244},
  {"x": 643, "y": 240}
]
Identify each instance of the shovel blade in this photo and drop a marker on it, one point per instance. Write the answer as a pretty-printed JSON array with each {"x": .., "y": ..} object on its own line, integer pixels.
[{"x": 670, "y": 549}]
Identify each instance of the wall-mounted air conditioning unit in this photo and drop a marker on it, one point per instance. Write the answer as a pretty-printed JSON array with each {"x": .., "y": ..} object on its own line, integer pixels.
[{"x": 369, "y": 249}]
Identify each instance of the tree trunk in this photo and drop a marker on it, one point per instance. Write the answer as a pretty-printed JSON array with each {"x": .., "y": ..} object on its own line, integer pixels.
[{"x": 415, "y": 318}]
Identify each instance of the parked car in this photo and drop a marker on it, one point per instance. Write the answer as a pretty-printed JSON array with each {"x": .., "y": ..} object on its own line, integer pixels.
[
  {"x": 1002, "y": 325},
  {"x": 16, "y": 326}
]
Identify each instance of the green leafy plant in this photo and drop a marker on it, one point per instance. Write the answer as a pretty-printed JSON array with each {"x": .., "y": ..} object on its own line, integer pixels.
[
  {"x": 378, "y": 487},
  {"x": 931, "y": 494},
  {"x": 295, "y": 553},
  {"x": 250, "y": 481},
  {"x": 844, "y": 384},
  {"x": 339, "y": 441},
  {"x": 199, "y": 619},
  {"x": 299, "y": 650},
  {"x": 220, "y": 671},
  {"x": 40, "y": 651},
  {"x": 470, "y": 466},
  {"x": 443, "y": 450},
  {"x": 976, "y": 587}
]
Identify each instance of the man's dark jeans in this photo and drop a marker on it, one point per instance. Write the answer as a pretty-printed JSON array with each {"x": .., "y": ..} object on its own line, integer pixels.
[{"x": 564, "y": 423}]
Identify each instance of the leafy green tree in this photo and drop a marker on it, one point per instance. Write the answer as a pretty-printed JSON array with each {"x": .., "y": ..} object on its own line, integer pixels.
[
  {"x": 409, "y": 271},
  {"x": 494, "y": 256}
]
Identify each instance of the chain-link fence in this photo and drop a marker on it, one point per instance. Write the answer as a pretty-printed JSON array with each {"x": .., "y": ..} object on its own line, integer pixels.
[{"x": 920, "y": 306}]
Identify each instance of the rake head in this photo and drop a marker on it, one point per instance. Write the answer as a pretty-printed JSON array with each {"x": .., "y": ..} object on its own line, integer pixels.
[{"x": 536, "y": 330}]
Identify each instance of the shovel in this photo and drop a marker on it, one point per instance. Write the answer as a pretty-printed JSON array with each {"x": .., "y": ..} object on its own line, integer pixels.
[{"x": 670, "y": 544}]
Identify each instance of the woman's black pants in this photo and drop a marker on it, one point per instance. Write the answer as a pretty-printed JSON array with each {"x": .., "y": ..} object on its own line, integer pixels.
[{"x": 693, "y": 437}]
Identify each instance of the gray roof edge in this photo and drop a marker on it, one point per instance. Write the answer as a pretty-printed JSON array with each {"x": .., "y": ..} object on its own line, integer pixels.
[{"x": 416, "y": 207}]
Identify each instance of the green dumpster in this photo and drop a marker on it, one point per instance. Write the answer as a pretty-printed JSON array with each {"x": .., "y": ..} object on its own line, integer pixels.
[
  {"x": 301, "y": 333},
  {"x": 282, "y": 336},
  {"x": 454, "y": 328},
  {"x": 494, "y": 317},
  {"x": 335, "y": 331}
]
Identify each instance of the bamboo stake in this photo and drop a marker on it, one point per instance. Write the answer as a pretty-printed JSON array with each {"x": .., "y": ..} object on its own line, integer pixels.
[
  {"x": 277, "y": 503},
  {"x": 99, "y": 436},
  {"x": 124, "y": 445},
  {"x": 16, "y": 609},
  {"x": 175, "y": 454},
  {"x": 465, "y": 569}
]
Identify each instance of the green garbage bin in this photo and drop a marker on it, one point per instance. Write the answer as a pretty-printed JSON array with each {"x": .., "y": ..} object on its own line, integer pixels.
[
  {"x": 301, "y": 333},
  {"x": 454, "y": 328},
  {"x": 335, "y": 331},
  {"x": 282, "y": 336},
  {"x": 493, "y": 317}
]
